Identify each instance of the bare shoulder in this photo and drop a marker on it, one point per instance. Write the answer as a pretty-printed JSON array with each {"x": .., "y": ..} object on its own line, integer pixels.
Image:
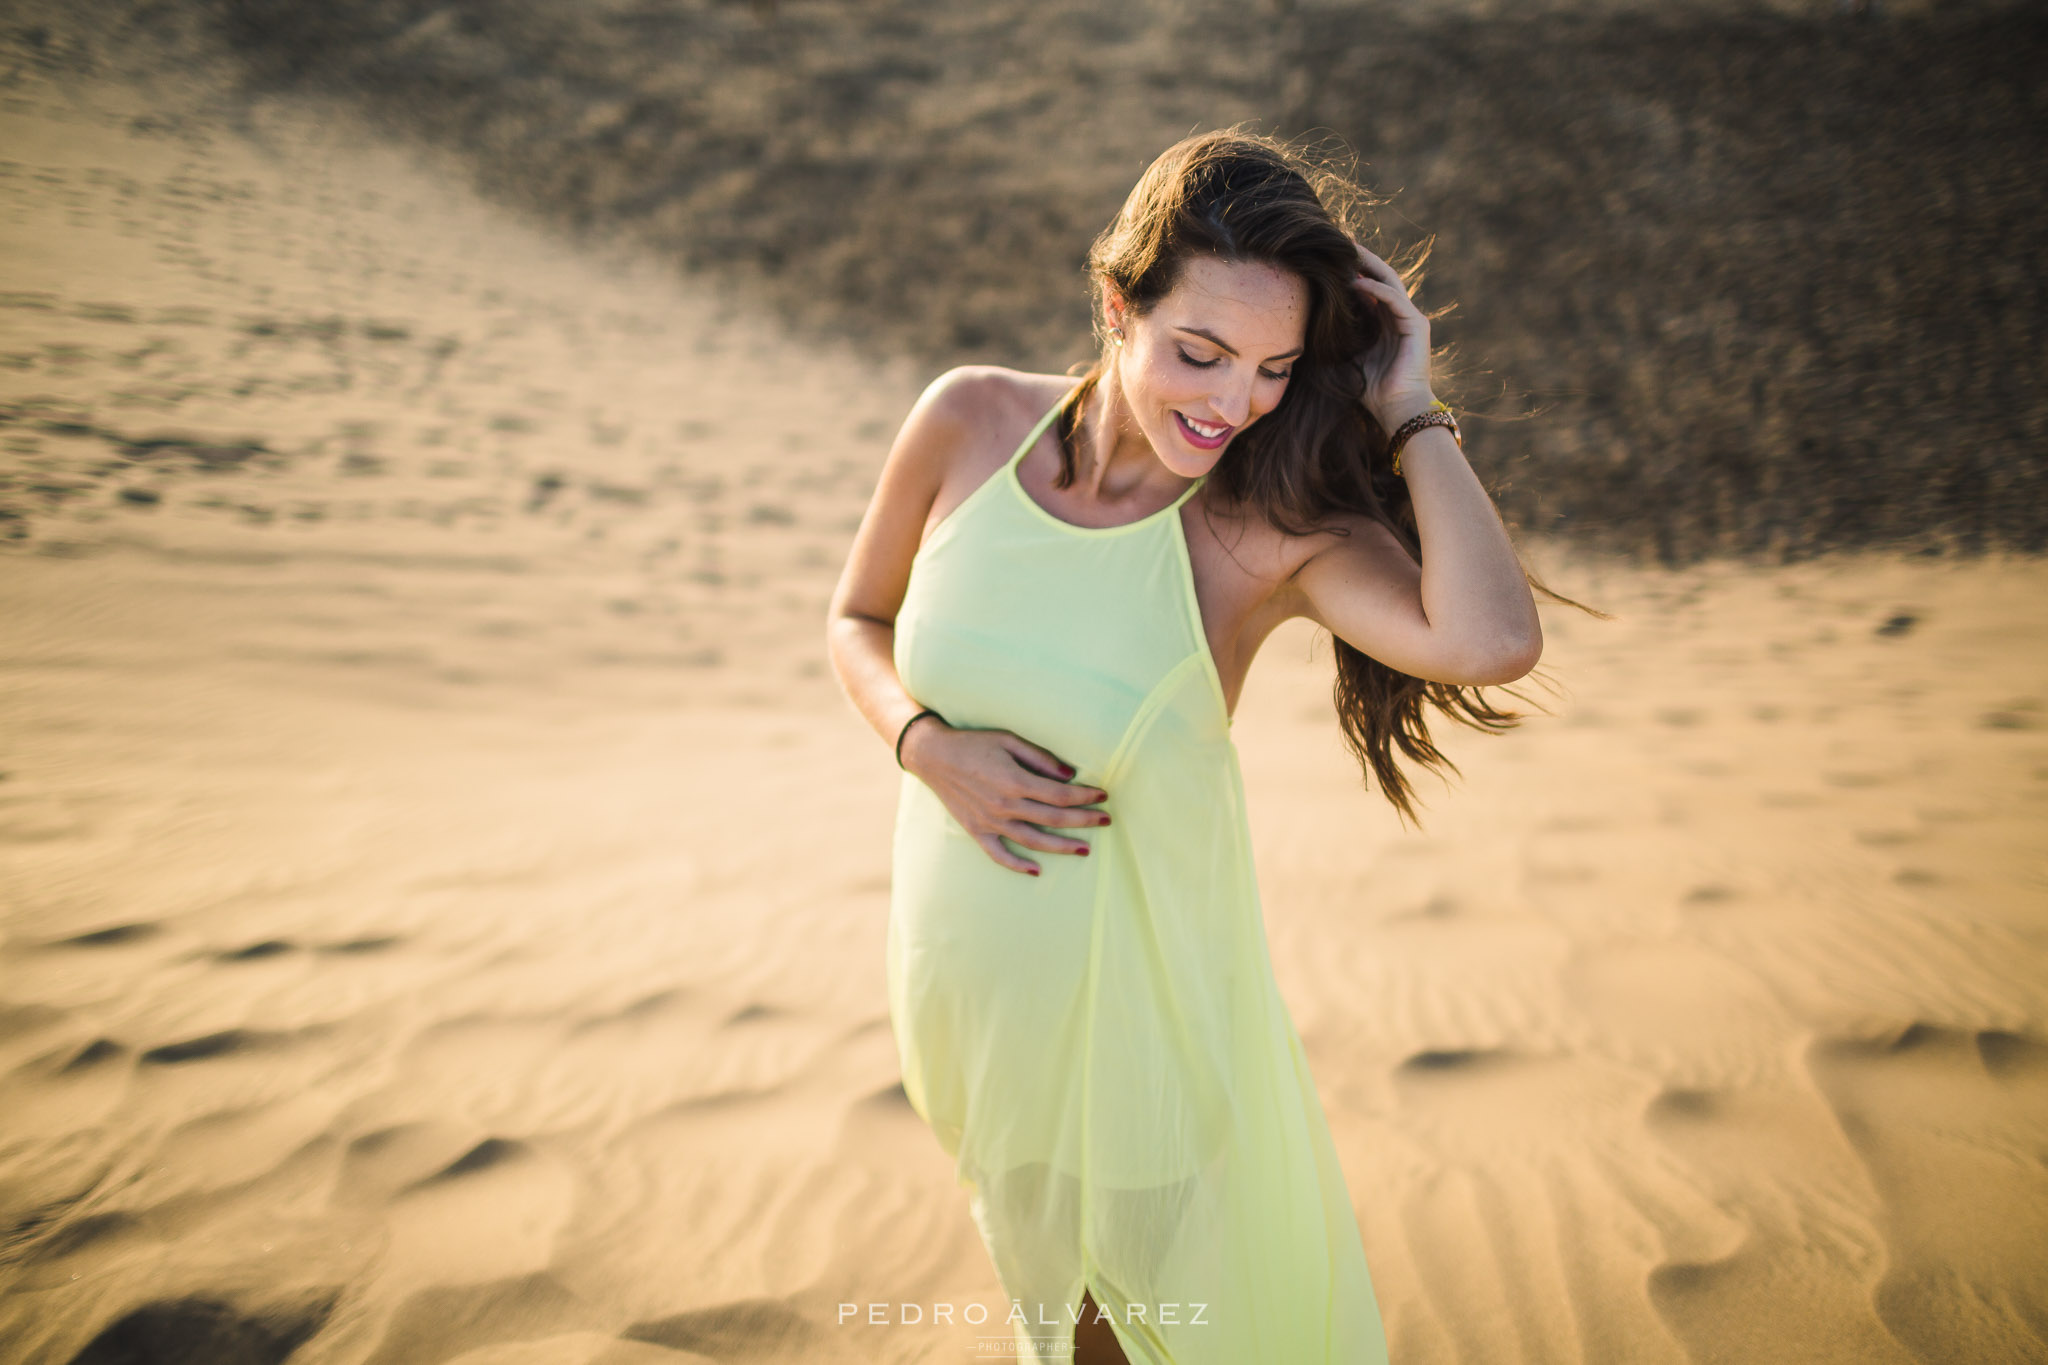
[
  {"x": 1349, "y": 549},
  {"x": 942, "y": 436},
  {"x": 963, "y": 426},
  {"x": 958, "y": 432},
  {"x": 987, "y": 400}
]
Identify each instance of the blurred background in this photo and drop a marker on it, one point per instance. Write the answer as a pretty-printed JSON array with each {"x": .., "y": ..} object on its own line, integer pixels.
[
  {"x": 1766, "y": 271},
  {"x": 444, "y": 885}
]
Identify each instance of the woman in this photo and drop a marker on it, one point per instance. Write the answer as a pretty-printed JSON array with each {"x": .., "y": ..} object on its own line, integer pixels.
[{"x": 1049, "y": 610}]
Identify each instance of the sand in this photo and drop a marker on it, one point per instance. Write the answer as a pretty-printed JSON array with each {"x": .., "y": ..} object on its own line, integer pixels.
[
  {"x": 1749, "y": 278},
  {"x": 445, "y": 887}
]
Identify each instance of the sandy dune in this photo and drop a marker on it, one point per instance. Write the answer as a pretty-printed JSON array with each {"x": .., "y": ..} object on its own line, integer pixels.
[{"x": 445, "y": 888}]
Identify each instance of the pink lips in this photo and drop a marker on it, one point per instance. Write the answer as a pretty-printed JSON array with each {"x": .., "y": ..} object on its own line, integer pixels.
[{"x": 1197, "y": 439}]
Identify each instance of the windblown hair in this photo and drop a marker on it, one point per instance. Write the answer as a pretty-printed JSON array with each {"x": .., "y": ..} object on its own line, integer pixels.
[{"x": 1244, "y": 197}]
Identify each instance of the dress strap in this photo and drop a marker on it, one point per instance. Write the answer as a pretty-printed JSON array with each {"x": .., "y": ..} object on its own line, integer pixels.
[{"x": 1039, "y": 430}]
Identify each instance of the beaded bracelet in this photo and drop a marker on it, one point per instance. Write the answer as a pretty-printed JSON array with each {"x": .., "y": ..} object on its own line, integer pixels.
[
  {"x": 1437, "y": 414},
  {"x": 906, "y": 730}
]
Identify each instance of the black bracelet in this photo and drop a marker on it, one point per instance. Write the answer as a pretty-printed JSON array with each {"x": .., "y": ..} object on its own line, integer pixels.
[{"x": 906, "y": 730}]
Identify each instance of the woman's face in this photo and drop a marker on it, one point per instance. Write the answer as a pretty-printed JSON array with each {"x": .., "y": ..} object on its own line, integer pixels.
[{"x": 1211, "y": 359}]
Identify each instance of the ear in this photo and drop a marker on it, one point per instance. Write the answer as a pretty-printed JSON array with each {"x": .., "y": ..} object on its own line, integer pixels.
[{"x": 1112, "y": 308}]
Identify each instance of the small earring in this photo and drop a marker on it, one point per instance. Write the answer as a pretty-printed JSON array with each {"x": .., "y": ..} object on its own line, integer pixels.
[{"x": 1117, "y": 335}]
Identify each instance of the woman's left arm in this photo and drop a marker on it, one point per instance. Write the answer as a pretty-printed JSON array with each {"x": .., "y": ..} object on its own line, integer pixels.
[{"x": 1465, "y": 614}]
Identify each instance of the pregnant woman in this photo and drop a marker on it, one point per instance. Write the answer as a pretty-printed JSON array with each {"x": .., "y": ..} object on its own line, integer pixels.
[{"x": 1049, "y": 611}]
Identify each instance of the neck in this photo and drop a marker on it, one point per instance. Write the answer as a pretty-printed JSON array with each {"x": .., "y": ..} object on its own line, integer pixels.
[{"x": 1115, "y": 459}]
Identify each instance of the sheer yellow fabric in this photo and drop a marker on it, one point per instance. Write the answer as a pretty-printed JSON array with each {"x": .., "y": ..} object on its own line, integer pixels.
[{"x": 1102, "y": 1048}]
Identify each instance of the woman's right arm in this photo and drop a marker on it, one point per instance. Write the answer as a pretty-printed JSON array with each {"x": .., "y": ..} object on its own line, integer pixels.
[{"x": 997, "y": 784}]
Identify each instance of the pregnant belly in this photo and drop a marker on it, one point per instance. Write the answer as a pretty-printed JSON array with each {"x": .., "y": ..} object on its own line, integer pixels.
[{"x": 989, "y": 930}]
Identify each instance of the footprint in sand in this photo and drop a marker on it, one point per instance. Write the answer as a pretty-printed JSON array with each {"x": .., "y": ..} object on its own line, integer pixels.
[{"x": 1949, "y": 1123}]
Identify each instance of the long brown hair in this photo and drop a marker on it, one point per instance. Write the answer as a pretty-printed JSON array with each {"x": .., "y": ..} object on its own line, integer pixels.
[{"x": 1245, "y": 197}]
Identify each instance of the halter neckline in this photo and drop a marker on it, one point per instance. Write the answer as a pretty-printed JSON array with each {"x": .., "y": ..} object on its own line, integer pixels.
[{"x": 1016, "y": 481}]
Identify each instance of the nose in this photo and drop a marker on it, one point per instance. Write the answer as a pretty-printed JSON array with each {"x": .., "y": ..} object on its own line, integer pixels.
[{"x": 1234, "y": 404}]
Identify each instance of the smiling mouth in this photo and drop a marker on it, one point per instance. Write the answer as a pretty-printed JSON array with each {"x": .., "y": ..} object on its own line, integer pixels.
[{"x": 1204, "y": 434}]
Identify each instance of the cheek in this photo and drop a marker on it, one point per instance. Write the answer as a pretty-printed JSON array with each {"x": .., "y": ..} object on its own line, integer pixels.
[
  {"x": 1267, "y": 396},
  {"x": 1163, "y": 382}
]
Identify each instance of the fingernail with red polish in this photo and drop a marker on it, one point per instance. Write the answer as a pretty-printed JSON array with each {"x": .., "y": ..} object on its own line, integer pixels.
[
  {"x": 1081, "y": 852},
  {"x": 1032, "y": 870},
  {"x": 1066, "y": 771}
]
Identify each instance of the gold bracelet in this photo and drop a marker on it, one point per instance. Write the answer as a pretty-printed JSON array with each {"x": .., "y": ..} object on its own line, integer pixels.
[{"x": 1437, "y": 414}]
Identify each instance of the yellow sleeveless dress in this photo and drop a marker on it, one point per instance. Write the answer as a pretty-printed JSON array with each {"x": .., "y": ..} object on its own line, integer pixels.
[{"x": 1103, "y": 1048}]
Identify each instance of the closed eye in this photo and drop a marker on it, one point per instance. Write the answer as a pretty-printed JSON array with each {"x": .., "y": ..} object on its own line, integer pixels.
[{"x": 1205, "y": 364}]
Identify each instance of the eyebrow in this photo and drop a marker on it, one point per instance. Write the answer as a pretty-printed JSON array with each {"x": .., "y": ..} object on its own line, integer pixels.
[{"x": 1212, "y": 338}]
